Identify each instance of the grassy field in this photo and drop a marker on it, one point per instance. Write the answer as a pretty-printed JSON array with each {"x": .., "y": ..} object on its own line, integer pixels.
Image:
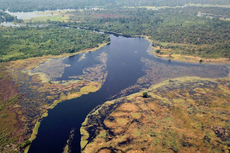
[
  {"x": 208, "y": 5},
  {"x": 197, "y": 5},
  {"x": 62, "y": 15},
  {"x": 178, "y": 56},
  {"x": 51, "y": 18}
]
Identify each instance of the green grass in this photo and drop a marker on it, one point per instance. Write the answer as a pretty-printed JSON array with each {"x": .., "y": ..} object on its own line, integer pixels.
[
  {"x": 139, "y": 133},
  {"x": 35, "y": 131},
  {"x": 208, "y": 5},
  {"x": 51, "y": 18}
]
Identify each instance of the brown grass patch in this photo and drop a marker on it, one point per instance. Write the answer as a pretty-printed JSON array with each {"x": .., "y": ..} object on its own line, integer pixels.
[
  {"x": 128, "y": 107},
  {"x": 173, "y": 119}
]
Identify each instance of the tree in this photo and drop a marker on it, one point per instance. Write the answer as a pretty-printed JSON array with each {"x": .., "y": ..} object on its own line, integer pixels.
[
  {"x": 25, "y": 144},
  {"x": 145, "y": 94},
  {"x": 158, "y": 51}
]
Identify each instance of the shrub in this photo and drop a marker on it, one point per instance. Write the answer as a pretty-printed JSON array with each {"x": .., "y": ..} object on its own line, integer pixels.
[
  {"x": 4, "y": 115},
  {"x": 206, "y": 139},
  {"x": 158, "y": 51}
]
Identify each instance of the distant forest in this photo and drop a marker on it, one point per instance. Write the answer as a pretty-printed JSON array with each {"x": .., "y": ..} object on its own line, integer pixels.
[
  {"x": 177, "y": 29},
  {"x": 41, "y": 5}
]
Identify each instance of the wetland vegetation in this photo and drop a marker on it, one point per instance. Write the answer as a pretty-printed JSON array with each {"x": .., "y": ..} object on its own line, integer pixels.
[
  {"x": 30, "y": 94},
  {"x": 183, "y": 115},
  {"x": 12, "y": 130}
]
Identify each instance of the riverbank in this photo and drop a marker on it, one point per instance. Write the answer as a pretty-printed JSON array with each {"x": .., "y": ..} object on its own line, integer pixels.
[
  {"x": 171, "y": 55},
  {"x": 83, "y": 91}
]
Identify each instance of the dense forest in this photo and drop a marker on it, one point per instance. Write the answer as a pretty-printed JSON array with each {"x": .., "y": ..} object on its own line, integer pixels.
[
  {"x": 25, "y": 42},
  {"x": 41, "y": 5},
  {"x": 215, "y": 11},
  {"x": 201, "y": 36}
]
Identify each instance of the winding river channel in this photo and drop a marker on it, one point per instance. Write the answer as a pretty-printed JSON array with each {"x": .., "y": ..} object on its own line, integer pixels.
[{"x": 127, "y": 61}]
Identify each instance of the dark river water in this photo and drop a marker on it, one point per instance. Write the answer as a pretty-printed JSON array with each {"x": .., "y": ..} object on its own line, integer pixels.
[{"x": 124, "y": 67}]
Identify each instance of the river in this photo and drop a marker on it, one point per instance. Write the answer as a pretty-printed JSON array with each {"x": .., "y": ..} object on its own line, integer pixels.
[{"x": 125, "y": 66}]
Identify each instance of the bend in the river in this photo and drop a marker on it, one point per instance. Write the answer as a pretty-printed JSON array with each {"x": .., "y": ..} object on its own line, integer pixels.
[{"x": 125, "y": 66}]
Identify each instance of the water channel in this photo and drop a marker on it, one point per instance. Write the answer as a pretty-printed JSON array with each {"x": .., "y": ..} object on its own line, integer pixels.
[{"x": 125, "y": 66}]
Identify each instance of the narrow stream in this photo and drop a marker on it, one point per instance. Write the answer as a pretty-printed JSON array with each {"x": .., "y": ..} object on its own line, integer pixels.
[{"x": 124, "y": 67}]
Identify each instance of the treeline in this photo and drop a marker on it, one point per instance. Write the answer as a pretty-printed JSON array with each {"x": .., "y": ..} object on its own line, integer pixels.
[
  {"x": 169, "y": 2},
  {"x": 218, "y": 12},
  {"x": 5, "y": 17},
  {"x": 41, "y": 5},
  {"x": 25, "y": 42},
  {"x": 180, "y": 25}
]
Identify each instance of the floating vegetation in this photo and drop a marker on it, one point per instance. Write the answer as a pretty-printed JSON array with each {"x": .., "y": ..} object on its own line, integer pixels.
[
  {"x": 185, "y": 115},
  {"x": 97, "y": 73},
  {"x": 157, "y": 72},
  {"x": 67, "y": 148},
  {"x": 81, "y": 58},
  {"x": 49, "y": 70}
]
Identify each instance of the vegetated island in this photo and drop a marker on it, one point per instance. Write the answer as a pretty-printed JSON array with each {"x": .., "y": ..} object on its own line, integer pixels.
[
  {"x": 186, "y": 114},
  {"x": 28, "y": 68}
]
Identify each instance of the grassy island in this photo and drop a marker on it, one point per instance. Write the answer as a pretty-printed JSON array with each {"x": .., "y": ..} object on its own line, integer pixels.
[{"x": 181, "y": 115}]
